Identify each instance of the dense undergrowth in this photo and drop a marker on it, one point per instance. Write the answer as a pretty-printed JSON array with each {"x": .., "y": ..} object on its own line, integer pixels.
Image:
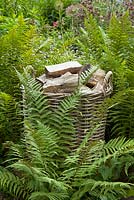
[{"x": 36, "y": 163}]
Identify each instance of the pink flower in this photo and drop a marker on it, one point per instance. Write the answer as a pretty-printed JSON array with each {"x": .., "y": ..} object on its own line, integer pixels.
[{"x": 55, "y": 24}]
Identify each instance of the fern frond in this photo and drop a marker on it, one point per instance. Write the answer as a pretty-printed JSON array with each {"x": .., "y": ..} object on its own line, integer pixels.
[
  {"x": 86, "y": 75},
  {"x": 104, "y": 187},
  {"x": 86, "y": 165},
  {"x": 37, "y": 178},
  {"x": 92, "y": 38},
  {"x": 35, "y": 103},
  {"x": 123, "y": 148},
  {"x": 9, "y": 118},
  {"x": 49, "y": 195},
  {"x": 122, "y": 115},
  {"x": 85, "y": 141},
  {"x": 119, "y": 35},
  {"x": 63, "y": 122},
  {"x": 119, "y": 146},
  {"x": 12, "y": 184},
  {"x": 23, "y": 166},
  {"x": 81, "y": 164},
  {"x": 41, "y": 146},
  {"x": 15, "y": 152}
]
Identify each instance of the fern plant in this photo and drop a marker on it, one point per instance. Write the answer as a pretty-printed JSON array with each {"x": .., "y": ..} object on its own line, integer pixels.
[
  {"x": 10, "y": 120},
  {"x": 112, "y": 49},
  {"x": 85, "y": 175},
  {"x": 121, "y": 115},
  {"x": 35, "y": 158},
  {"x": 43, "y": 166},
  {"x": 19, "y": 46}
]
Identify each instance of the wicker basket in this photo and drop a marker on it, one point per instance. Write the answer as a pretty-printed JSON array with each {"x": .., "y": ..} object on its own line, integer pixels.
[{"x": 86, "y": 115}]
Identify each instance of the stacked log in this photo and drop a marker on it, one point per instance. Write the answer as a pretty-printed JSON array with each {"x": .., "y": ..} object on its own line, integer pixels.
[{"x": 64, "y": 78}]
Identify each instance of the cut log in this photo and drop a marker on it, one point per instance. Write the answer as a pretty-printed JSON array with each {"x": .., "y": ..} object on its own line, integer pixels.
[
  {"x": 42, "y": 78},
  {"x": 65, "y": 83},
  {"x": 85, "y": 90},
  {"x": 99, "y": 76},
  {"x": 60, "y": 69}
]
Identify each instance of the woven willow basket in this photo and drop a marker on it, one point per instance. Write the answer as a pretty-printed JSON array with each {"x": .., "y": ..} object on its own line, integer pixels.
[{"x": 86, "y": 115}]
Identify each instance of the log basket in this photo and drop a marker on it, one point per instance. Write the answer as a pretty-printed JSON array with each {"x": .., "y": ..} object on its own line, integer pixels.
[{"x": 86, "y": 114}]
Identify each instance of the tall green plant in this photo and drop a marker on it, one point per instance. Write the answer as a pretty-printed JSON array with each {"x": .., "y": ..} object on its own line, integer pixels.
[
  {"x": 20, "y": 45},
  {"x": 112, "y": 49},
  {"x": 18, "y": 49},
  {"x": 10, "y": 121}
]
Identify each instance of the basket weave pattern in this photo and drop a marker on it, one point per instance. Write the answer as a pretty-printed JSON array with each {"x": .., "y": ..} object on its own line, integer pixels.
[{"x": 86, "y": 114}]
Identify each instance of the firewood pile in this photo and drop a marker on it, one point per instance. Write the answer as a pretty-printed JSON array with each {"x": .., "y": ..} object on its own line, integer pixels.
[{"x": 62, "y": 79}]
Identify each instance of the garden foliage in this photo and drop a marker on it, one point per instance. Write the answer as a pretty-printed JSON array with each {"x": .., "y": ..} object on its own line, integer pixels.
[
  {"x": 41, "y": 161},
  {"x": 44, "y": 166},
  {"x": 113, "y": 49}
]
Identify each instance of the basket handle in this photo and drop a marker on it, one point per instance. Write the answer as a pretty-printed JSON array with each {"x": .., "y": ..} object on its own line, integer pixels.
[{"x": 107, "y": 84}]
